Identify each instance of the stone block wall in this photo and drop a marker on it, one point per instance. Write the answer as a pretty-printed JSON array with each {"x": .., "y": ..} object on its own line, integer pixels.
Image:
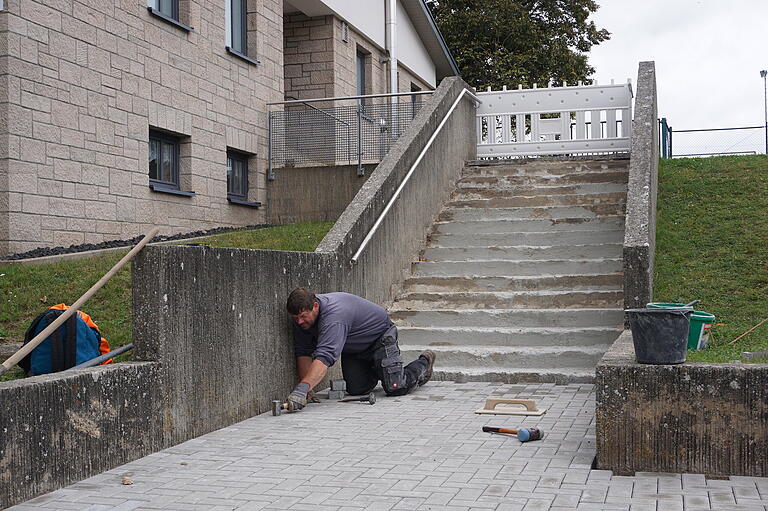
[
  {"x": 83, "y": 84},
  {"x": 345, "y": 56},
  {"x": 309, "y": 58},
  {"x": 319, "y": 63}
]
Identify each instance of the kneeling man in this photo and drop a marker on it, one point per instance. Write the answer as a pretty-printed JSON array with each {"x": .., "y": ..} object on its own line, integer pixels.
[{"x": 341, "y": 325}]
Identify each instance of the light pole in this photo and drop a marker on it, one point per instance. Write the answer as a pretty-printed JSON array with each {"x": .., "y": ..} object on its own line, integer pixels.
[{"x": 763, "y": 73}]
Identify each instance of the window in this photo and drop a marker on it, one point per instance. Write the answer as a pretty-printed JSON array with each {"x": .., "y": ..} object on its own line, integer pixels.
[
  {"x": 169, "y": 7},
  {"x": 163, "y": 161},
  {"x": 415, "y": 88},
  {"x": 238, "y": 41},
  {"x": 361, "y": 85},
  {"x": 237, "y": 179},
  {"x": 237, "y": 175},
  {"x": 171, "y": 11}
]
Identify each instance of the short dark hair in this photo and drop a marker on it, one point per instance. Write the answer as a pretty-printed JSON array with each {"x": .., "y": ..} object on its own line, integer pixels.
[{"x": 300, "y": 299}]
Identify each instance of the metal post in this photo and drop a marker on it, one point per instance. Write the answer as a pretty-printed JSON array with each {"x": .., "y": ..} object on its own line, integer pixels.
[
  {"x": 270, "y": 171},
  {"x": 360, "y": 139},
  {"x": 664, "y": 152},
  {"x": 764, "y": 73},
  {"x": 670, "y": 142}
]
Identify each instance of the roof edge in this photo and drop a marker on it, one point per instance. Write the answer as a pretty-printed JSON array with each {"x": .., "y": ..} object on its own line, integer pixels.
[{"x": 439, "y": 36}]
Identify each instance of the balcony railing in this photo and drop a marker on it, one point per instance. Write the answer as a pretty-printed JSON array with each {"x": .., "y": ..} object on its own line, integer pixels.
[{"x": 339, "y": 131}]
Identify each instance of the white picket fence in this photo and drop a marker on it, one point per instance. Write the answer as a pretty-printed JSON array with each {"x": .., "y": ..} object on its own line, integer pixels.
[{"x": 555, "y": 120}]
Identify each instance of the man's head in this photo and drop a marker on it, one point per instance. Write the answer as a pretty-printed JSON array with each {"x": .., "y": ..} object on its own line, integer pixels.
[{"x": 303, "y": 306}]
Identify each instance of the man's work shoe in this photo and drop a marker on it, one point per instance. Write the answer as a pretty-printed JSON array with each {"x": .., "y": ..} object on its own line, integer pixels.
[{"x": 429, "y": 356}]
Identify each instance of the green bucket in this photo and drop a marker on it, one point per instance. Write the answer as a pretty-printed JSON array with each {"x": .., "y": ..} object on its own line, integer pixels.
[
  {"x": 698, "y": 333},
  {"x": 701, "y": 323}
]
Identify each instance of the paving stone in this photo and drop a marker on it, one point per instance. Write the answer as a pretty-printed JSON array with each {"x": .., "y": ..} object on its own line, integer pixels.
[{"x": 405, "y": 453}]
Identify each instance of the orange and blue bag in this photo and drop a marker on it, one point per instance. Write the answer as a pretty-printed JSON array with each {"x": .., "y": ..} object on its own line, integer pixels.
[{"x": 75, "y": 341}]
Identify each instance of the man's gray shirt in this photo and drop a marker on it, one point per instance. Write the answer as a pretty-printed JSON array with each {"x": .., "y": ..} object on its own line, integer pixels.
[{"x": 346, "y": 324}]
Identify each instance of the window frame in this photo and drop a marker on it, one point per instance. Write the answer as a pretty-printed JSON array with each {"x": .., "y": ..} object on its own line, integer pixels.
[
  {"x": 243, "y": 158},
  {"x": 415, "y": 98},
  {"x": 161, "y": 137},
  {"x": 229, "y": 14},
  {"x": 153, "y": 6},
  {"x": 360, "y": 72},
  {"x": 174, "y": 14},
  {"x": 243, "y": 39}
]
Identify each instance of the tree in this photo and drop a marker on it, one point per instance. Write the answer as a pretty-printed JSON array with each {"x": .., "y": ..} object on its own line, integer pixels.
[{"x": 511, "y": 42}]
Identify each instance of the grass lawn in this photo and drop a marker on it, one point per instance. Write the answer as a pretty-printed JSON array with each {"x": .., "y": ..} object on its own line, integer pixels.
[
  {"x": 712, "y": 244},
  {"x": 28, "y": 290}
]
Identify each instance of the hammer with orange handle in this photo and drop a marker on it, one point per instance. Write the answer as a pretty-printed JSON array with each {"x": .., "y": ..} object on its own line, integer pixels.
[{"x": 524, "y": 434}]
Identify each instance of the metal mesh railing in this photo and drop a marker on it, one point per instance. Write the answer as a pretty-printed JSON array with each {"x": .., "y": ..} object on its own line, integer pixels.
[{"x": 353, "y": 134}]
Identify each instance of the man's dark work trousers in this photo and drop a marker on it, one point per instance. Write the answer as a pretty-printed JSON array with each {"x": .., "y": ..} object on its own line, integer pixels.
[{"x": 362, "y": 371}]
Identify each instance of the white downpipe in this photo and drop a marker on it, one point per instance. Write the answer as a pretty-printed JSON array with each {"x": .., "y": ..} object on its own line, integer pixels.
[{"x": 391, "y": 29}]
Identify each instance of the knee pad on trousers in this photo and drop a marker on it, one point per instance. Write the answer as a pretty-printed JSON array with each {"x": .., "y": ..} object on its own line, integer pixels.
[{"x": 393, "y": 376}]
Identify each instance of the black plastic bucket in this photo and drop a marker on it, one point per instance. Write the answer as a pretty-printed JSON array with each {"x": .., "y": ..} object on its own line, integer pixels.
[{"x": 660, "y": 335}]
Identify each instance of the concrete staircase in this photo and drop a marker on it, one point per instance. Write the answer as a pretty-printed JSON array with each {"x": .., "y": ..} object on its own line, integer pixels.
[{"x": 521, "y": 278}]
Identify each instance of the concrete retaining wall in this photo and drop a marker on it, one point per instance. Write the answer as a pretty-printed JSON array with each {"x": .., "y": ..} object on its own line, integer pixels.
[
  {"x": 640, "y": 227},
  {"x": 312, "y": 194},
  {"x": 61, "y": 428},
  {"x": 215, "y": 318},
  {"x": 212, "y": 325},
  {"x": 694, "y": 418}
]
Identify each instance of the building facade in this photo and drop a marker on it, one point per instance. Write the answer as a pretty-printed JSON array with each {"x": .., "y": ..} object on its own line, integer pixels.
[{"x": 119, "y": 115}]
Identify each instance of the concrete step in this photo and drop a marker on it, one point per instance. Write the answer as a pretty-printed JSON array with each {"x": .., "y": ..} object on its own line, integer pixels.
[
  {"x": 557, "y": 375},
  {"x": 581, "y": 237},
  {"x": 575, "y": 318},
  {"x": 586, "y": 298},
  {"x": 494, "y": 268},
  {"x": 519, "y": 253},
  {"x": 499, "y": 182},
  {"x": 510, "y": 336},
  {"x": 538, "y": 212},
  {"x": 529, "y": 190},
  {"x": 541, "y": 170},
  {"x": 519, "y": 283},
  {"x": 501, "y": 357},
  {"x": 543, "y": 166},
  {"x": 508, "y": 200},
  {"x": 529, "y": 225}
]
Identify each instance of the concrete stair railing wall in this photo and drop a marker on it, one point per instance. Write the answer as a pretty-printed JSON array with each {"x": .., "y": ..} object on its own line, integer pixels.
[
  {"x": 640, "y": 236},
  {"x": 211, "y": 335}
]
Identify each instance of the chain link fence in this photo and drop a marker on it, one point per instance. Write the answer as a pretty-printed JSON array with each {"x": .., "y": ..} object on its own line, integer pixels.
[
  {"x": 326, "y": 133},
  {"x": 711, "y": 142}
]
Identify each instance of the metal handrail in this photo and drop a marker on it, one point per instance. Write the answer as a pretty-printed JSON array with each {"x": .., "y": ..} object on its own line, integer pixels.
[
  {"x": 410, "y": 172},
  {"x": 313, "y": 107},
  {"x": 340, "y": 98}
]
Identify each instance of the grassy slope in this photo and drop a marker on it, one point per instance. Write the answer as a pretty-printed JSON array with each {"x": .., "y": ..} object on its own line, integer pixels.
[
  {"x": 27, "y": 290},
  {"x": 712, "y": 244}
]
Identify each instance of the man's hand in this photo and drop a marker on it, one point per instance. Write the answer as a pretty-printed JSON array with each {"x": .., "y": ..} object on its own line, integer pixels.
[{"x": 298, "y": 398}]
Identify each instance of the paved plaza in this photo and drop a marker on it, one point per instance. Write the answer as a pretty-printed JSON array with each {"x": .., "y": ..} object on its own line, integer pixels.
[{"x": 422, "y": 451}]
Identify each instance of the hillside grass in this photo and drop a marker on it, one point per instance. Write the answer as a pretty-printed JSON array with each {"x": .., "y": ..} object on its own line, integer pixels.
[
  {"x": 26, "y": 290},
  {"x": 712, "y": 245}
]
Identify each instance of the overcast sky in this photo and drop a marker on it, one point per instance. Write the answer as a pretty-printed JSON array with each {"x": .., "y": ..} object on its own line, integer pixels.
[{"x": 708, "y": 56}]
